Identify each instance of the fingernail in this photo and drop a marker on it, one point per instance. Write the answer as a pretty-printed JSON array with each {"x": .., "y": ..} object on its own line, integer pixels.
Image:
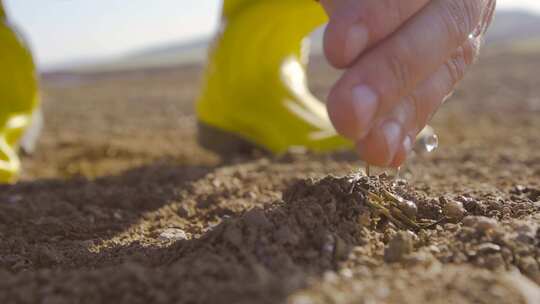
[
  {"x": 357, "y": 39},
  {"x": 407, "y": 144},
  {"x": 392, "y": 134},
  {"x": 365, "y": 104},
  {"x": 400, "y": 113}
]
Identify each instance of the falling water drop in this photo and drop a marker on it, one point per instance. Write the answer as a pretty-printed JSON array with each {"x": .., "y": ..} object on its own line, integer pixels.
[
  {"x": 427, "y": 141},
  {"x": 431, "y": 143}
]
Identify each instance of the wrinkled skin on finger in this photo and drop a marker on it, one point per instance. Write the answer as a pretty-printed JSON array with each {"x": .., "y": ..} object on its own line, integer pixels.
[{"x": 401, "y": 60}]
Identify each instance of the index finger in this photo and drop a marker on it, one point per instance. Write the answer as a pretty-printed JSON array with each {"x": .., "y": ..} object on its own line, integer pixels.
[{"x": 356, "y": 25}]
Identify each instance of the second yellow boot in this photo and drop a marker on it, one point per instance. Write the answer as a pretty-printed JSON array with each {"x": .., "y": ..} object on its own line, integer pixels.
[
  {"x": 18, "y": 97},
  {"x": 255, "y": 89}
]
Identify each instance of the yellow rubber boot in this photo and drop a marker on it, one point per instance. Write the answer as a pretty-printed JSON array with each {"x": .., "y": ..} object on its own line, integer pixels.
[
  {"x": 255, "y": 88},
  {"x": 18, "y": 97}
]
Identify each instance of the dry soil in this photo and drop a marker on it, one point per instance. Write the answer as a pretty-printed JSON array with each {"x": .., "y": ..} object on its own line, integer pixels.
[{"x": 120, "y": 205}]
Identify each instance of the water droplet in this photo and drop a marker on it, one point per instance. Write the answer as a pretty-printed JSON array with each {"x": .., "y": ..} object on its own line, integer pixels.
[
  {"x": 427, "y": 141},
  {"x": 431, "y": 143}
]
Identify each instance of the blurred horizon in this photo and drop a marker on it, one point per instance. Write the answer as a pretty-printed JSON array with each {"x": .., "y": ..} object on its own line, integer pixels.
[{"x": 74, "y": 32}]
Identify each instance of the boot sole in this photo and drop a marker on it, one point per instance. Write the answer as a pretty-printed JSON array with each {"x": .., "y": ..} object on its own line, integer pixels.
[{"x": 226, "y": 144}]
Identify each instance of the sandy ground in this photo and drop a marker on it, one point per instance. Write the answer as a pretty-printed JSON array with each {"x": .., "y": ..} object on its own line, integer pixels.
[{"x": 120, "y": 205}]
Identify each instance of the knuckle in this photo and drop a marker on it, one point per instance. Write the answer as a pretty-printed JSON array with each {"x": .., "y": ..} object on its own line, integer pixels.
[
  {"x": 456, "y": 67},
  {"x": 460, "y": 17},
  {"x": 470, "y": 51},
  {"x": 398, "y": 69},
  {"x": 382, "y": 16},
  {"x": 393, "y": 9}
]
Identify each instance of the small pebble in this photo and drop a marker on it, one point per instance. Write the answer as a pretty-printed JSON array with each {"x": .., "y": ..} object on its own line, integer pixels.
[
  {"x": 481, "y": 223},
  {"x": 14, "y": 199},
  {"x": 328, "y": 244},
  {"x": 409, "y": 208},
  {"x": 420, "y": 258},
  {"x": 117, "y": 215},
  {"x": 341, "y": 250},
  {"x": 494, "y": 262},
  {"x": 525, "y": 238},
  {"x": 172, "y": 234},
  {"x": 524, "y": 228},
  {"x": 330, "y": 276},
  {"x": 487, "y": 248},
  {"x": 400, "y": 246},
  {"x": 526, "y": 232},
  {"x": 346, "y": 272},
  {"x": 520, "y": 188},
  {"x": 528, "y": 265},
  {"x": 485, "y": 224},
  {"x": 301, "y": 299},
  {"x": 454, "y": 210}
]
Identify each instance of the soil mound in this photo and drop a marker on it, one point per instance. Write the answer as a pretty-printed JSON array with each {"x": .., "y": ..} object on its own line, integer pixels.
[{"x": 324, "y": 233}]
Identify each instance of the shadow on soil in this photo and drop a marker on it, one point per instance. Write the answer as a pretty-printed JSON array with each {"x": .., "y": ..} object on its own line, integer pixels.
[
  {"x": 63, "y": 213},
  {"x": 47, "y": 229}
]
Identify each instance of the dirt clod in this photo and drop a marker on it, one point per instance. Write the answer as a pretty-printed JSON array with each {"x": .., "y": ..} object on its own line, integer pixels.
[
  {"x": 453, "y": 209},
  {"x": 409, "y": 208},
  {"x": 481, "y": 223},
  {"x": 401, "y": 245},
  {"x": 173, "y": 234}
]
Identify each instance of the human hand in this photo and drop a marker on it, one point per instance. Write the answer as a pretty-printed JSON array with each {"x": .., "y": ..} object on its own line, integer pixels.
[{"x": 402, "y": 58}]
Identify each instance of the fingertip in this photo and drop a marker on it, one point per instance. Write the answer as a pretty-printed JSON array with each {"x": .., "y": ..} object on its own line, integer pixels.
[
  {"x": 341, "y": 113},
  {"x": 366, "y": 154},
  {"x": 385, "y": 146},
  {"x": 355, "y": 43},
  {"x": 398, "y": 160},
  {"x": 373, "y": 150},
  {"x": 402, "y": 153},
  {"x": 352, "y": 110},
  {"x": 344, "y": 42}
]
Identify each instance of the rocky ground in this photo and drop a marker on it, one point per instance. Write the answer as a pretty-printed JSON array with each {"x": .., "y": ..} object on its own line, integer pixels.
[{"x": 120, "y": 205}]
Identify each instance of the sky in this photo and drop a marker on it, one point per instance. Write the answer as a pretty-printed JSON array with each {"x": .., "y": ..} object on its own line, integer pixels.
[{"x": 61, "y": 31}]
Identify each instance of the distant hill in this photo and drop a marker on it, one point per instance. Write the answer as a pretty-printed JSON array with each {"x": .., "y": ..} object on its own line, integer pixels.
[
  {"x": 171, "y": 54},
  {"x": 508, "y": 27},
  {"x": 511, "y": 26}
]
